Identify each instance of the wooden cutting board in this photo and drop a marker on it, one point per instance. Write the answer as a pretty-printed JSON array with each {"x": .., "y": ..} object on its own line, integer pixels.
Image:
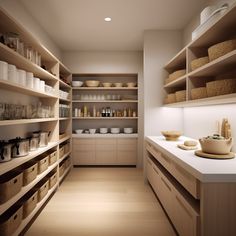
[{"x": 200, "y": 153}]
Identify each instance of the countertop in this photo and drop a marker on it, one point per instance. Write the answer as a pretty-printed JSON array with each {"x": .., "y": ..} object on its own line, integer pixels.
[
  {"x": 206, "y": 170},
  {"x": 108, "y": 135}
]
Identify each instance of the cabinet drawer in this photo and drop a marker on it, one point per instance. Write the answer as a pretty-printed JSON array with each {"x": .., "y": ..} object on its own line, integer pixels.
[
  {"x": 149, "y": 170},
  {"x": 105, "y": 157},
  {"x": 127, "y": 141},
  {"x": 84, "y": 157},
  {"x": 188, "y": 181},
  {"x": 83, "y": 141},
  {"x": 126, "y": 157},
  {"x": 105, "y": 141}
]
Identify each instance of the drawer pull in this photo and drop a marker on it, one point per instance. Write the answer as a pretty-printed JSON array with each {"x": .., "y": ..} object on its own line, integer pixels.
[
  {"x": 155, "y": 170},
  {"x": 166, "y": 184},
  {"x": 184, "y": 207}
]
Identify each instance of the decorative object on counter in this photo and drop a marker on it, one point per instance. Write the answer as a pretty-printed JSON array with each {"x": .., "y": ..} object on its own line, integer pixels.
[
  {"x": 216, "y": 144},
  {"x": 92, "y": 83},
  {"x": 200, "y": 153},
  {"x": 198, "y": 93},
  {"x": 20, "y": 147},
  {"x": 171, "y": 135},
  {"x": 180, "y": 96},
  {"x": 5, "y": 151},
  {"x": 199, "y": 62},
  {"x": 79, "y": 131},
  {"x": 131, "y": 84},
  {"x": 225, "y": 129},
  {"x": 106, "y": 84},
  {"x": 221, "y": 87},
  {"x": 221, "y": 49},
  {"x": 188, "y": 145},
  {"x": 128, "y": 130},
  {"x": 77, "y": 83}
]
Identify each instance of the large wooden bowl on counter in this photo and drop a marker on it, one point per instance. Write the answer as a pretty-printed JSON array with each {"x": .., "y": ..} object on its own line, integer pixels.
[{"x": 171, "y": 135}]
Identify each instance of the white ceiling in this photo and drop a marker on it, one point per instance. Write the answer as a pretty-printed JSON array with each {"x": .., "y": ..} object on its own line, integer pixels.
[{"x": 80, "y": 25}]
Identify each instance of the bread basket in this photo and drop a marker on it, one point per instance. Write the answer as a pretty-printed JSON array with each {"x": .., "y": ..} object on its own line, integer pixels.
[
  {"x": 198, "y": 93},
  {"x": 180, "y": 96},
  {"x": 199, "y": 62}
]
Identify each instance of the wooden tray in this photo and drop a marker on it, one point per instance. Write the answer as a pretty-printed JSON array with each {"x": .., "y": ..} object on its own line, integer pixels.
[{"x": 200, "y": 153}]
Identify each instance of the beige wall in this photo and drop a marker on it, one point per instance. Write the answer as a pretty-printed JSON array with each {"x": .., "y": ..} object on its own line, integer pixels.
[
  {"x": 111, "y": 62},
  {"x": 17, "y": 11}
]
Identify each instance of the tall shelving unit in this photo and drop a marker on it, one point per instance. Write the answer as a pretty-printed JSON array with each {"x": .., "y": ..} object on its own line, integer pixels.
[
  {"x": 223, "y": 29},
  {"x": 105, "y": 149},
  {"x": 56, "y": 76}
]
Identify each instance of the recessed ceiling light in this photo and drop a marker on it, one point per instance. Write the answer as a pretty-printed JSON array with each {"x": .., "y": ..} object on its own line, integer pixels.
[{"x": 107, "y": 19}]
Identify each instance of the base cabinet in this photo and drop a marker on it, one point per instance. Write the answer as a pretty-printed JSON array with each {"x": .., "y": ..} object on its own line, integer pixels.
[{"x": 104, "y": 151}]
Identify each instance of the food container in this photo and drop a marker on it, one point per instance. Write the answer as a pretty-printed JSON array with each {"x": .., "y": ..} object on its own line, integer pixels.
[
  {"x": 115, "y": 130},
  {"x": 29, "y": 82},
  {"x": 199, "y": 62},
  {"x": 221, "y": 87},
  {"x": 37, "y": 84},
  {"x": 77, "y": 83},
  {"x": 12, "y": 73},
  {"x": 106, "y": 84},
  {"x": 43, "y": 137},
  {"x": 20, "y": 147},
  {"x": 103, "y": 130},
  {"x": 29, "y": 203},
  {"x": 5, "y": 151},
  {"x": 10, "y": 185},
  {"x": 220, "y": 49},
  {"x": 128, "y": 130},
  {"x": 92, "y": 83},
  {"x": 92, "y": 131},
  {"x": 79, "y": 131},
  {"x": 3, "y": 70},
  {"x": 43, "y": 162},
  {"x": 180, "y": 96},
  {"x": 216, "y": 146},
  {"x": 131, "y": 84},
  {"x": 10, "y": 221},
  {"x": 43, "y": 190},
  {"x": 177, "y": 74},
  {"x": 52, "y": 157},
  {"x": 171, "y": 98},
  {"x": 30, "y": 171},
  {"x": 34, "y": 143},
  {"x": 198, "y": 93},
  {"x": 171, "y": 135},
  {"x": 21, "y": 77},
  {"x": 118, "y": 84},
  {"x": 52, "y": 180}
]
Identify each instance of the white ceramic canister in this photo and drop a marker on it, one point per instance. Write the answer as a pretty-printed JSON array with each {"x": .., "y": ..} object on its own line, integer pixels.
[
  {"x": 21, "y": 77},
  {"x": 29, "y": 80},
  {"x": 206, "y": 13},
  {"x": 36, "y": 83},
  {"x": 12, "y": 73},
  {"x": 3, "y": 70},
  {"x": 42, "y": 86}
]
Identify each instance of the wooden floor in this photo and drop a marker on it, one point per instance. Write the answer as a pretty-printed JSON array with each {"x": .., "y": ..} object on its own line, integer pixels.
[{"x": 103, "y": 202}]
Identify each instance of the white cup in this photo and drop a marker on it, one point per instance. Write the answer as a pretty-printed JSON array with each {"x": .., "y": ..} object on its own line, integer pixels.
[
  {"x": 37, "y": 84},
  {"x": 12, "y": 73},
  {"x": 3, "y": 70},
  {"x": 42, "y": 86},
  {"x": 21, "y": 77}
]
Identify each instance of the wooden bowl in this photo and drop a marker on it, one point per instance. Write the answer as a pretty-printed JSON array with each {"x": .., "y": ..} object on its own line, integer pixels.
[
  {"x": 171, "y": 135},
  {"x": 92, "y": 83}
]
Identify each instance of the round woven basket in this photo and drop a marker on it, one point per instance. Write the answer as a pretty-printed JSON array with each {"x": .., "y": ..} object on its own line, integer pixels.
[
  {"x": 198, "y": 93},
  {"x": 171, "y": 98},
  {"x": 221, "y": 87},
  {"x": 220, "y": 49},
  {"x": 177, "y": 74},
  {"x": 197, "y": 63},
  {"x": 180, "y": 96}
]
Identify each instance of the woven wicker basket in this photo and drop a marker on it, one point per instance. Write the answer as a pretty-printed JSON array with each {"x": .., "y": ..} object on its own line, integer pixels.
[
  {"x": 199, "y": 62},
  {"x": 166, "y": 101},
  {"x": 198, "y": 93},
  {"x": 171, "y": 98},
  {"x": 221, "y": 87},
  {"x": 180, "y": 96},
  {"x": 177, "y": 74},
  {"x": 168, "y": 80},
  {"x": 221, "y": 49}
]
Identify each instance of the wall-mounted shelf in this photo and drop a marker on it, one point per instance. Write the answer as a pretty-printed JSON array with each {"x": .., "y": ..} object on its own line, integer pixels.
[
  {"x": 104, "y": 118},
  {"x": 26, "y": 121},
  {"x": 104, "y": 88},
  {"x": 104, "y": 101}
]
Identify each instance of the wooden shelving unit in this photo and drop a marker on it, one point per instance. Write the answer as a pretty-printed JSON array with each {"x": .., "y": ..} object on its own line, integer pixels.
[
  {"x": 105, "y": 101},
  {"x": 220, "y": 68},
  {"x": 104, "y": 118},
  {"x": 58, "y": 77}
]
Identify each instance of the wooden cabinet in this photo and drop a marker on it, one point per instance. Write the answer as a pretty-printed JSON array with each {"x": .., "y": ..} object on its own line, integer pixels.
[{"x": 104, "y": 151}]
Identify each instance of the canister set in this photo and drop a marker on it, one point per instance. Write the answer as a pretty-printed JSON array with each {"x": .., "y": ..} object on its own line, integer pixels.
[
  {"x": 63, "y": 94},
  {"x": 23, "y": 78},
  {"x": 20, "y": 147}
]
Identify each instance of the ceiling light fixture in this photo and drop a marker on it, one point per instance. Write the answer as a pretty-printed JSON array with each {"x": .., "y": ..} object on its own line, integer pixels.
[{"x": 107, "y": 19}]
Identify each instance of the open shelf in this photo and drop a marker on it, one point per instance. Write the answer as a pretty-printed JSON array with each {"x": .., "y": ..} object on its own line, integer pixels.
[
  {"x": 26, "y": 121},
  {"x": 104, "y": 118},
  {"x": 15, "y": 162},
  {"x": 64, "y": 139},
  {"x": 25, "y": 189},
  {"x": 105, "y": 88},
  {"x": 5, "y": 84},
  {"x": 64, "y": 85},
  {"x": 64, "y": 156},
  {"x": 104, "y": 101},
  {"x": 65, "y": 100},
  {"x": 64, "y": 174},
  {"x": 178, "y": 82},
  {"x": 177, "y": 60}
]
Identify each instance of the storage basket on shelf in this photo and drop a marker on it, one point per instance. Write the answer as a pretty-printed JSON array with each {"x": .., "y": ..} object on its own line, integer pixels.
[
  {"x": 171, "y": 98},
  {"x": 43, "y": 163},
  {"x": 61, "y": 151},
  {"x": 168, "y": 80},
  {"x": 61, "y": 170},
  {"x": 29, "y": 203},
  {"x": 52, "y": 157},
  {"x": 43, "y": 190},
  {"x": 198, "y": 93},
  {"x": 10, "y": 185},
  {"x": 220, "y": 49},
  {"x": 30, "y": 171},
  {"x": 175, "y": 75},
  {"x": 52, "y": 180},
  {"x": 221, "y": 87},
  {"x": 199, "y": 62},
  {"x": 180, "y": 96}
]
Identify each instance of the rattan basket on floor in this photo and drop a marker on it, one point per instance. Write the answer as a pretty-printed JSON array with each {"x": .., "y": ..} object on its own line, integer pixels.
[
  {"x": 171, "y": 98},
  {"x": 177, "y": 74},
  {"x": 220, "y": 49},
  {"x": 221, "y": 87},
  {"x": 180, "y": 96},
  {"x": 197, "y": 63},
  {"x": 198, "y": 93}
]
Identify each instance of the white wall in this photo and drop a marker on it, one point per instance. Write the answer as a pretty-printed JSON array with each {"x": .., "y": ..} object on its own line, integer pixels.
[
  {"x": 111, "y": 62},
  {"x": 159, "y": 48},
  {"x": 18, "y": 11}
]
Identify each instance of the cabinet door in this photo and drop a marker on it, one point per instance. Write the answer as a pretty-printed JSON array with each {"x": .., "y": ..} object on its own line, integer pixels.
[{"x": 106, "y": 151}]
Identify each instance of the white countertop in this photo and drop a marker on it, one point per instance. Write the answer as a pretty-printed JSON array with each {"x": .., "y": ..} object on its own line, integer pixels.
[
  {"x": 109, "y": 135},
  {"x": 206, "y": 170}
]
